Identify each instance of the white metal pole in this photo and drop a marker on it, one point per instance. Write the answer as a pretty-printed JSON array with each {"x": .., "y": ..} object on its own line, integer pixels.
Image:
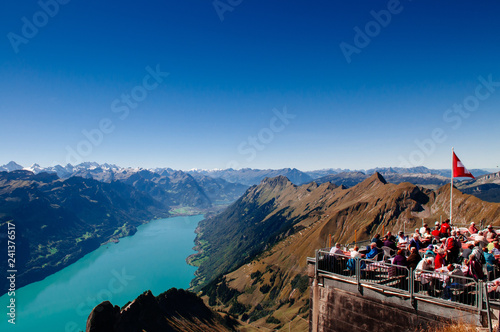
[{"x": 451, "y": 189}]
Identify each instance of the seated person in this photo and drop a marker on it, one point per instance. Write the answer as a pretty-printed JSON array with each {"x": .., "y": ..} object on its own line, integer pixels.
[
  {"x": 413, "y": 259},
  {"x": 390, "y": 237},
  {"x": 494, "y": 289},
  {"x": 430, "y": 251},
  {"x": 399, "y": 259},
  {"x": 415, "y": 242},
  {"x": 496, "y": 248},
  {"x": 455, "y": 281},
  {"x": 402, "y": 239},
  {"x": 426, "y": 264},
  {"x": 473, "y": 229},
  {"x": 422, "y": 229},
  {"x": 336, "y": 250},
  {"x": 427, "y": 237},
  {"x": 390, "y": 244},
  {"x": 374, "y": 251},
  {"x": 490, "y": 233},
  {"x": 436, "y": 233},
  {"x": 355, "y": 253},
  {"x": 491, "y": 245},
  {"x": 378, "y": 241}
]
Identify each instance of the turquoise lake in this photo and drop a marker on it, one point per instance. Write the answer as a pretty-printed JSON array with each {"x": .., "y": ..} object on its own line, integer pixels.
[{"x": 154, "y": 258}]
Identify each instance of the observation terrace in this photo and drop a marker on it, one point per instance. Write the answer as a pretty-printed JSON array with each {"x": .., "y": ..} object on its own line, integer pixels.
[{"x": 367, "y": 295}]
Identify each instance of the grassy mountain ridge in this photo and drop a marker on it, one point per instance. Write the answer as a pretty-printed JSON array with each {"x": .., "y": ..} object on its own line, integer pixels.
[{"x": 267, "y": 290}]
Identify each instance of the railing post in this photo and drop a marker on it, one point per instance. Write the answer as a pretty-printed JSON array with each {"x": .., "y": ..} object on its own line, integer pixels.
[
  {"x": 358, "y": 273},
  {"x": 411, "y": 286},
  {"x": 479, "y": 292},
  {"x": 316, "y": 265}
]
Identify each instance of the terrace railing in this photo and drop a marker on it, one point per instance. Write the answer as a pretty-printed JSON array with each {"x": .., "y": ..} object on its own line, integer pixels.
[{"x": 420, "y": 284}]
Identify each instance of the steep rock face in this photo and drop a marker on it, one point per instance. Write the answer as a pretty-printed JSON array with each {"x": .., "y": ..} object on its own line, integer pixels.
[
  {"x": 174, "y": 310},
  {"x": 58, "y": 221}
]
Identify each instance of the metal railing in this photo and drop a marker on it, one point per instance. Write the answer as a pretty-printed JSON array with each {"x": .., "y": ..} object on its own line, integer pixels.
[{"x": 420, "y": 284}]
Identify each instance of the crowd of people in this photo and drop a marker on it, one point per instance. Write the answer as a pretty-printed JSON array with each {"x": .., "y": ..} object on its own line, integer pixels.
[{"x": 473, "y": 253}]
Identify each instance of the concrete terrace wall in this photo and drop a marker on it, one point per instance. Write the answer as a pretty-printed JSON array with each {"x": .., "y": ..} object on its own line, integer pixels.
[{"x": 338, "y": 306}]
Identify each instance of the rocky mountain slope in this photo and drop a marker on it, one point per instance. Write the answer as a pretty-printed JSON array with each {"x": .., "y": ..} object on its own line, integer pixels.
[
  {"x": 58, "y": 221},
  {"x": 486, "y": 187},
  {"x": 174, "y": 310},
  {"x": 252, "y": 256}
]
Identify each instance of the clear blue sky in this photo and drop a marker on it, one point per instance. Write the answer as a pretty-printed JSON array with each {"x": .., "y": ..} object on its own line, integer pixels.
[{"x": 251, "y": 83}]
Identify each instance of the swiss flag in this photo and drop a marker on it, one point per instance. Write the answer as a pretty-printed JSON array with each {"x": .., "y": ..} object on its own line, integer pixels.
[{"x": 459, "y": 170}]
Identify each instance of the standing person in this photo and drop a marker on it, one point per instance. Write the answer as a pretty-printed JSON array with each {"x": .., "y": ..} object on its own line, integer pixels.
[
  {"x": 475, "y": 270},
  {"x": 491, "y": 262},
  {"x": 444, "y": 228},
  {"x": 481, "y": 239},
  {"x": 453, "y": 246},
  {"x": 466, "y": 252},
  {"x": 439, "y": 260},
  {"x": 473, "y": 229},
  {"x": 477, "y": 252}
]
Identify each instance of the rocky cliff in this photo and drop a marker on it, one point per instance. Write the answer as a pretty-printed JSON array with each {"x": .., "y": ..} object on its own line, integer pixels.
[{"x": 174, "y": 310}]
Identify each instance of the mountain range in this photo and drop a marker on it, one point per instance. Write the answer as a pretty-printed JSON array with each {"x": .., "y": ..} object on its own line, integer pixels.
[
  {"x": 252, "y": 257},
  {"x": 58, "y": 221}
]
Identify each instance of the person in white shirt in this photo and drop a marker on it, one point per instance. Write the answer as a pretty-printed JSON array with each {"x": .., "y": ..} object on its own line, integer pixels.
[
  {"x": 336, "y": 250},
  {"x": 355, "y": 253},
  {"x": 426, "y": 264},
  {"x": 422, "y": 229},
  {"x": 402, "y": 238}
]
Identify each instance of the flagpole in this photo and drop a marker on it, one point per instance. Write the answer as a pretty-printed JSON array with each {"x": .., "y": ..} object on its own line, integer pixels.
[{"x": 451, "y": 189}]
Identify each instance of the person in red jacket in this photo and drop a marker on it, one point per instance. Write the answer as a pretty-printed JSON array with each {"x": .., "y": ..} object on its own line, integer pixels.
[
  {"x": 439, "y": 260},
  {"x": 444, "y": 228}
]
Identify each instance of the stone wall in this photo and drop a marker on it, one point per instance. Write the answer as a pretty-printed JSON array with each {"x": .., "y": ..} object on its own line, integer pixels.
[{"x": 338, "y": 306}]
